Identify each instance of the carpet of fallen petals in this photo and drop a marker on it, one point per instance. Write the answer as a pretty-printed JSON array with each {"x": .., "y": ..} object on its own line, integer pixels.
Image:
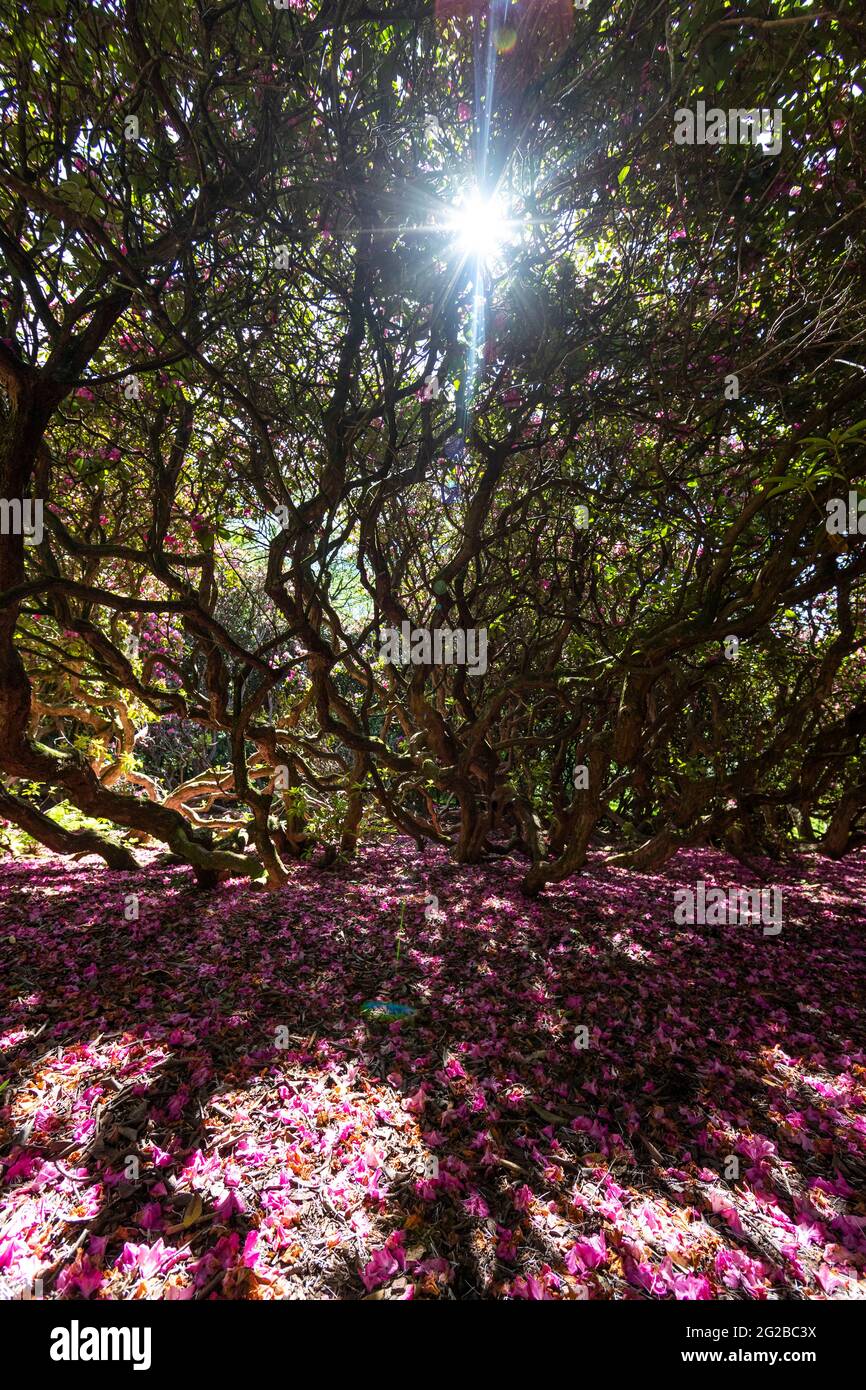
[{"x": 194, "y": 1106}]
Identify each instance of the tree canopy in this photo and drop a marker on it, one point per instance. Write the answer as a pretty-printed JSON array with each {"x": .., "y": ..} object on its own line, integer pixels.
[{"x": 274, "y": 404}]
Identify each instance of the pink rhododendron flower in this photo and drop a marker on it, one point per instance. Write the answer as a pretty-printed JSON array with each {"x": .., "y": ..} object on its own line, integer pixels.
[
  {"x": 378, "y": 1270},
  {"x": 586, "y": 1254}
]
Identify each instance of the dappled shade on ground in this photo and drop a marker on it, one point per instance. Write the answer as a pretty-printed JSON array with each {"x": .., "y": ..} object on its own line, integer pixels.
[{"x": 473, "y": 1149}]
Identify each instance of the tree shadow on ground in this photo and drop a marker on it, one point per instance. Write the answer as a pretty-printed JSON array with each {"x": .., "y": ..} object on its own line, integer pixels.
[{"x": 282, "y": 1144}]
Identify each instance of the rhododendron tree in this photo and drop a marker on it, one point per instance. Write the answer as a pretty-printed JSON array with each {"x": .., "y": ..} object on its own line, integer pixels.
[{"x": 303, "y": 341}]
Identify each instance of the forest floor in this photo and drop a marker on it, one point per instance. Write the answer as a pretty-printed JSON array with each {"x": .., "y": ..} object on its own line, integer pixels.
[{"x": 195, "y": 1106}]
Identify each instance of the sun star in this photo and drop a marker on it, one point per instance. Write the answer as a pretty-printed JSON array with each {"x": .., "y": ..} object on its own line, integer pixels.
[{"x": 480, "y": 225}]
